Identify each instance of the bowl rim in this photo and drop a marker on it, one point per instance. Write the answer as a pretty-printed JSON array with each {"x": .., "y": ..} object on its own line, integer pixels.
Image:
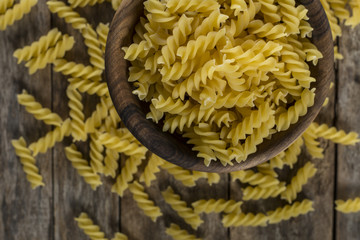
[{"x": 171, "y": 149}]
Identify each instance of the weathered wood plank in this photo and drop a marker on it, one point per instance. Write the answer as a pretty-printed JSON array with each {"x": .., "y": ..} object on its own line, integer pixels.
[
  {"x": 24, "y": 213},
  {"x": 348, "y": 112},
  {"x": 320, "y": 189},
  {"x": 71, "y": 194}
]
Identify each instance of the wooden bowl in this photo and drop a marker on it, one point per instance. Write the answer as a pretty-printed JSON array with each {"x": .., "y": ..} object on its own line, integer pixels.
[{"x": 173, "y": 148}]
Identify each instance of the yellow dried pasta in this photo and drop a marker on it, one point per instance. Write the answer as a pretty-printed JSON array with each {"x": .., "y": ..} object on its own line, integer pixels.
[
  {"x": 33, "y": 107},
  {"x": 143, "y": 201},
  {"x": 348, "y": 206},
  {"x": 204, "y": 70},
  {"x": 289, "y": 211},
  {"x": 90, "y": 229},
  {"x": 82, "y": 166},
  {"x": 28, "y": 162},
  {"x": 16, "y": 13},
  {"x": 178, "y": 234},
  {"x": 180, "y": 207}
]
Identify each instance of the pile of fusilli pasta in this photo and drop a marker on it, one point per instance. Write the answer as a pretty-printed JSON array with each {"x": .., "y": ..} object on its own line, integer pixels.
[
  {"x": 108, "y": 139},
  {"x": 225, "y": 74}
]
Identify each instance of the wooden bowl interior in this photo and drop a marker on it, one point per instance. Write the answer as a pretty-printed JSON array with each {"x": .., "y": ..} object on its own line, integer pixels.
[{"x": 174, "y": 148}]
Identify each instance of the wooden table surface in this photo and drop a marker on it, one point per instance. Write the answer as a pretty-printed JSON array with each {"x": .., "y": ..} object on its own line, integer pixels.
[{"x": 48, "y": 212}]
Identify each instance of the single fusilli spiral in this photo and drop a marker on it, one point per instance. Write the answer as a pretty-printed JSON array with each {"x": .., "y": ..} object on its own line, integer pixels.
[
  {"x": 52, "y": 137},
  {"x": 248, "y": 124},
  {"x": 334, "y": 135},
  {"x": 212, "y": 178},
  {"x": 83, "y": 3},
  {"x": 126, "y": 175},
  {"x": 180, "y": 207},
  {"x": 256, "y": 179},
  {"x": 151, "y": 168},
  {"x": 270, "y": 11},
  {"x": 82, "y": 166},
  {"x": 289, "y": 211},
  {"x": 102, "y": 31},
  {"x": 192, "y": 5},
  {"x": 292, "y": 153},
  {"x": 302, "y": 177},
  {"x": 94, "y": 47},
  {"x": 76, "y": 114},
  {"x": 255, "y": 139},
  {"x": 67, "y": 12},
  {"x": 298, "y": 67},
  {"x": 159, "y": 14},
  {"x": 96, "y": 154},
  {"x": 179, "y": 173},
  {"x": 38, "y": 47},
  {"x": 266, "y": 30},
  {"x": 194, "y": 116},
  {"x": 143, "y": 201},
  {"x": 312, "y": 145},
  {"x": 28, "y": 162},
  {"x": 180, "y": 32},
  {"x": 179, "y": 234},
  {"x": 122, "y": 145},
  {"x": 111, "y": 162},
  {"x": 256, "y": 193},
  {"x": 90, "y": 87},
  {"x": 90, "y": 229},
  {"x": 348, "y": 206},
  {"x": 244, "y": 219},
  {"x": 98, "y": 115},
  {"x": 39, "y": 112},
  {"x": 216, "y": 206},
  {"x": 299, "y": 109},
  {"x": 289, "y": 15},
  {"x": 115, "y": 4},
  {"x": 51, "y": 54},
  {"x": 119, "y": 236},
  {"x": 197, "y": 47},
  {"x": 77, "y": 70},
  {"x": 134, "y": 51},
  {"x": 5, "y": 4},
  {"x": 16, "y": 13},
  {"x": 213, "y": 21},
  {"x": 243, "y": 19}
]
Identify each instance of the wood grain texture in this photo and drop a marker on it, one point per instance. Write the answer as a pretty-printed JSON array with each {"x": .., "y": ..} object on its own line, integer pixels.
[
  {"x": 24, "y": 213},
  {"x": 71, "y": 194},
  {"x": 348, "y": 112},
  {"x": 174, "y": 149}
]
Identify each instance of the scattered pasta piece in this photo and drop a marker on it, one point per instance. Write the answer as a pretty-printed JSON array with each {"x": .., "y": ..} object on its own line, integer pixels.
[
  {"x": 33, "y": 107},
  {"x": 82, "y": 166},
  {"x": 216, "y": 206},
  {"x": 289, "y": 211},
  {"x": 245, "y": 219},
  {"x": 151, "y": 168},
  {"x": 178, "y": 234},
  {"x": 180, "y": 207},
  {"x": 15, "y": 13},
  {"x": 28, "y": 162},
  {"x": 143, "y": 201},
  {"x": 90, "y": 229},
  {"x": 126, "y": 175},
  {"x": 302, "y": 177},
  {"x": 119, "y": 236},
  {"x": 348, "y": 206},
  {"x": 256, "y": 193},
  {"x": 336, "y": 136}
]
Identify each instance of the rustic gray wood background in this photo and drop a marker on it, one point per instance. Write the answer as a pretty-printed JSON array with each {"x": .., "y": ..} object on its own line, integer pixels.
[{"x": 48, "y": 212}]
